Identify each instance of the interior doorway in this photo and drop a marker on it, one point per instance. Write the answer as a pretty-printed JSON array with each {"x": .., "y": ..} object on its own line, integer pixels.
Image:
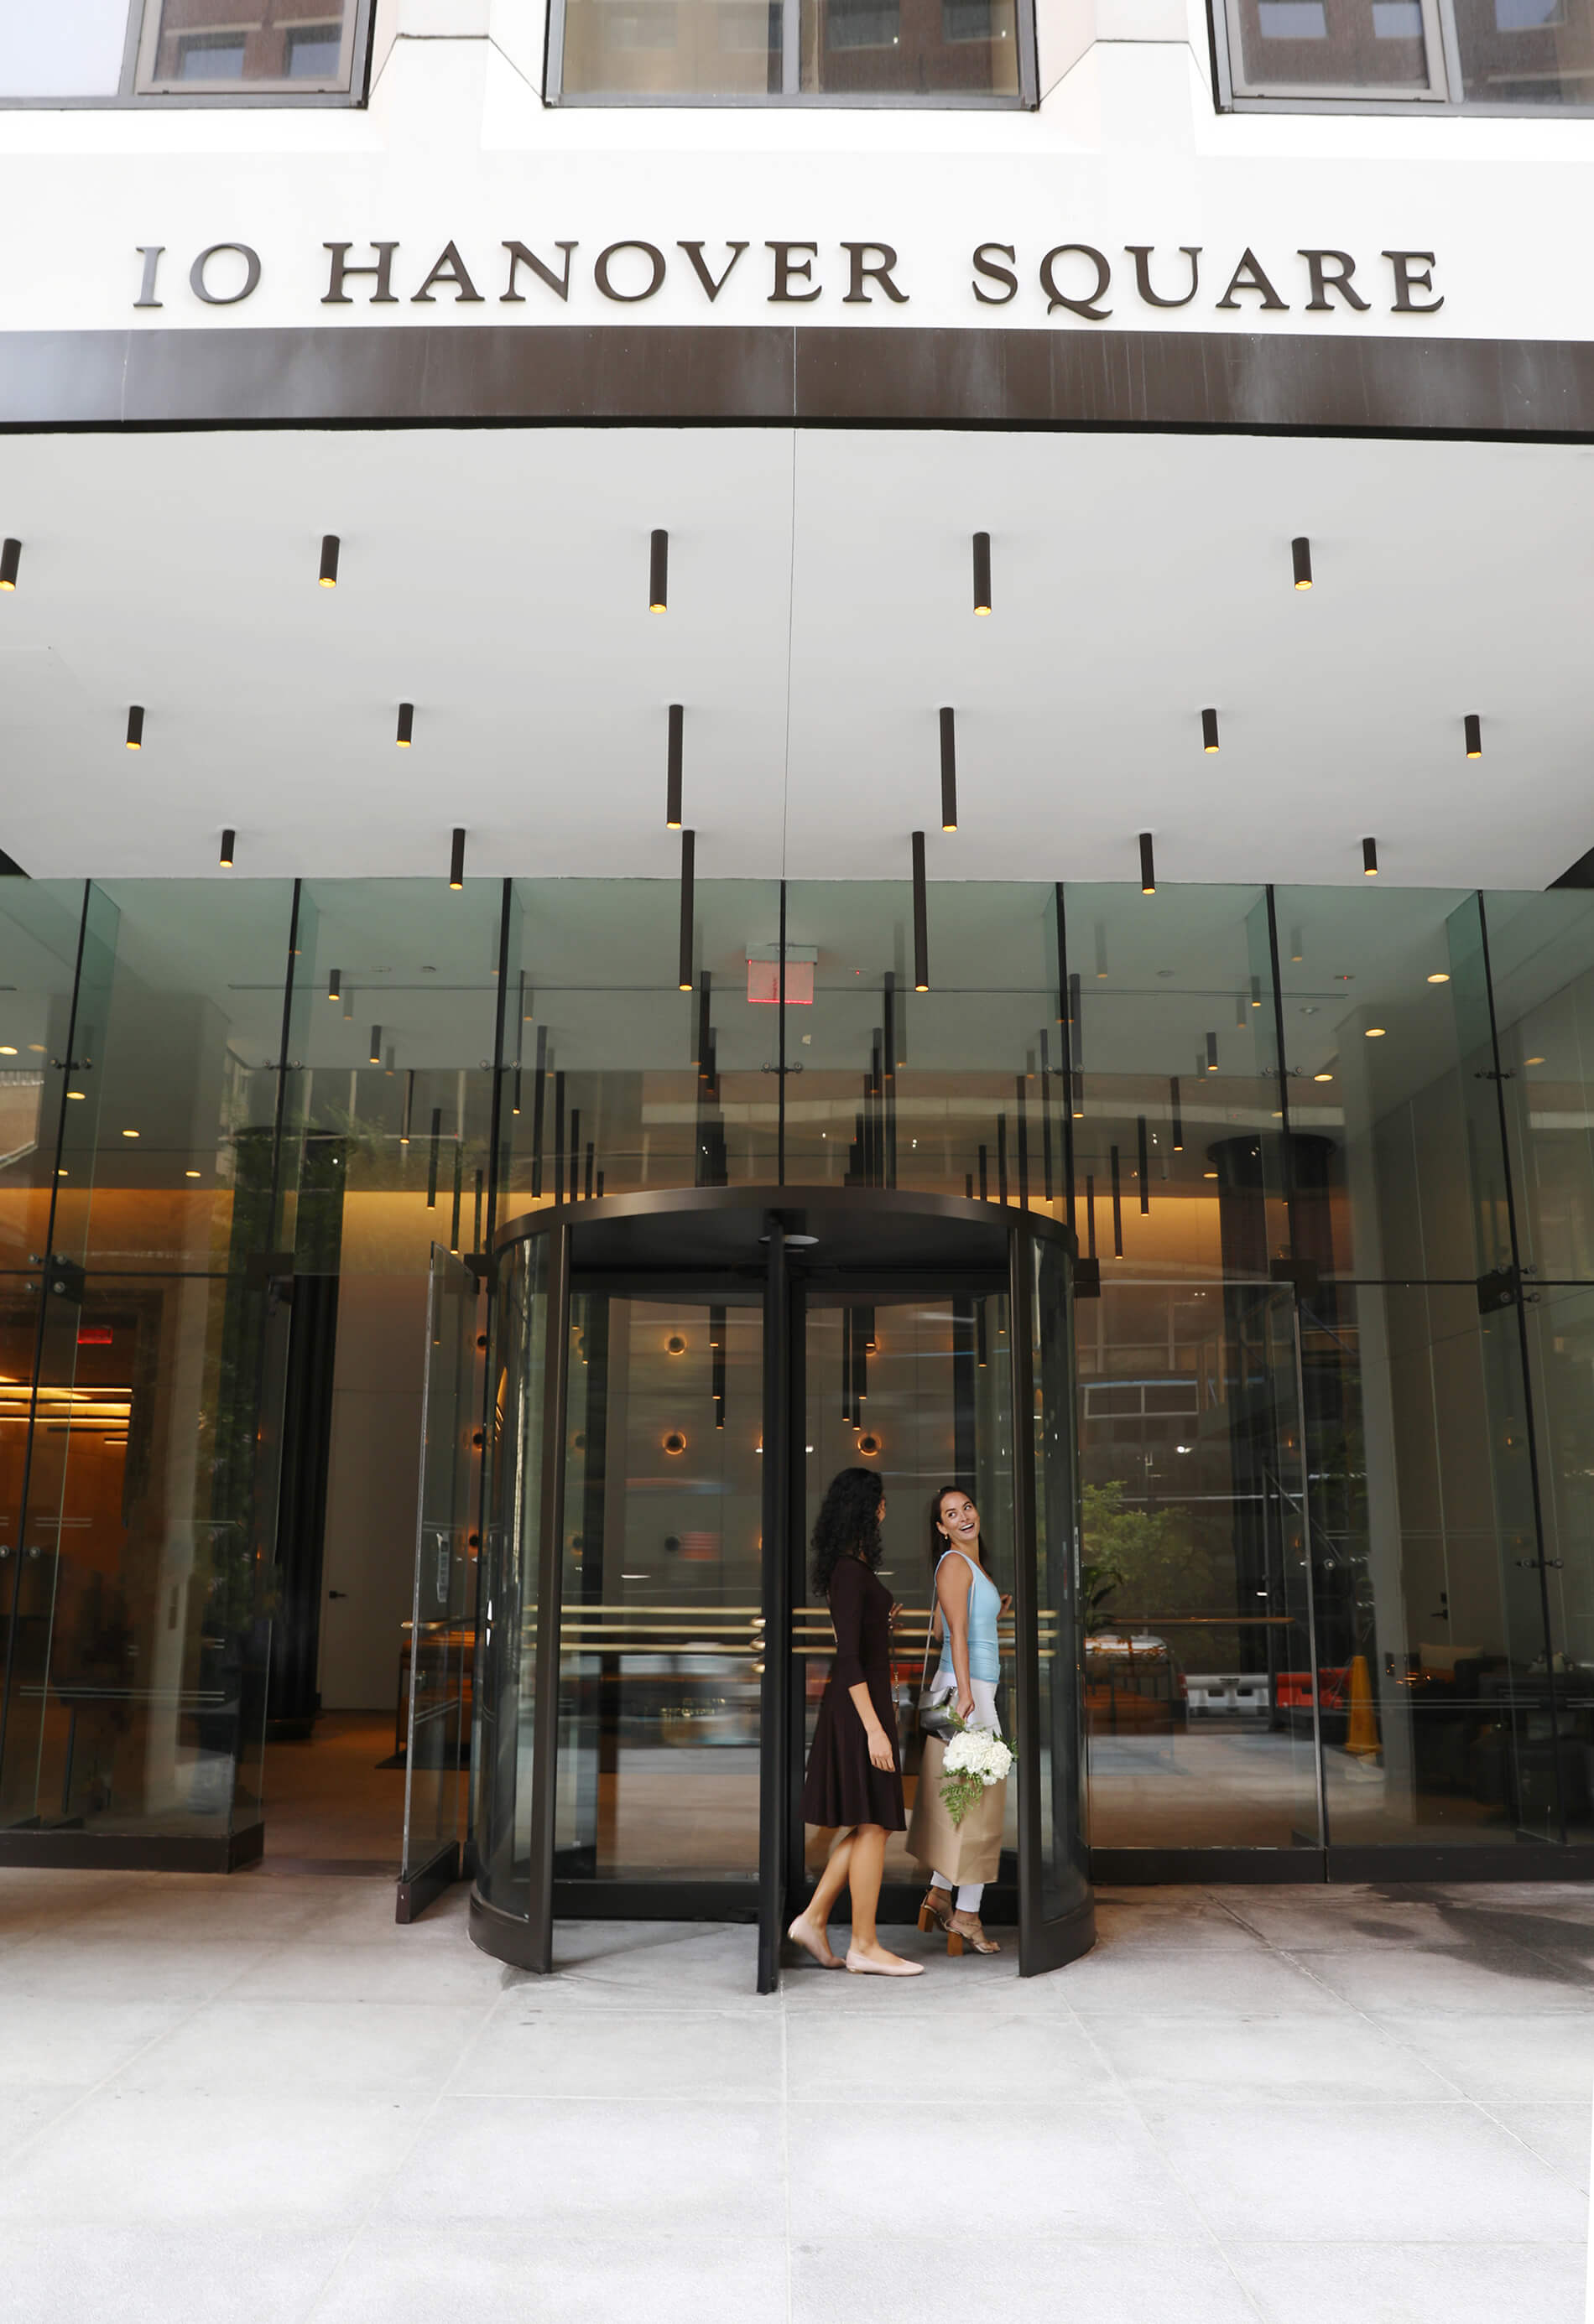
[{"x": 674, "y": 1384}]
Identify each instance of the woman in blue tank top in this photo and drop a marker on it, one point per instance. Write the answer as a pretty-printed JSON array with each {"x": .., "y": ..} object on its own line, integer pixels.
[{"x": 969, "y": 1604}]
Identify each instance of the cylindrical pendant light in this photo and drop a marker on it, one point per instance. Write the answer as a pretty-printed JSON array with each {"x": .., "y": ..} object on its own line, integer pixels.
[
  {"x": 375, "y": 1045},
  {"x": 409, "y": 1112},
  {"x": 1209, "y": 730},
  {"x": 11, "y": 558},
  {"x": 135, "y": 727},
  {"x": 949, "y": 770},
  {"x": 1300, "y": 556},
  {"x": 457, "y": 858},
  {"x": 329, "y": 574},
  {"x": 1148, "y": 870},
  {"x": 1472, "y": 725},
  {"x": 672, "y": 769},
  {"x": 921, "y": 918},
  {"x": 1369, "y": 858},
  {"x": 1255, "y": 993},
  {"x": 335, "y": 985},
  {"x": 982, "y": 572},
  {"x": 229, "y": 840},
  {"x": 406, "y": 726},
  {"x": 658, "y": 573},
  {"x": 688, "y": 865},
  {"x": 1211, "y": 1052},
  {"x": 1177, "y": 1111}
]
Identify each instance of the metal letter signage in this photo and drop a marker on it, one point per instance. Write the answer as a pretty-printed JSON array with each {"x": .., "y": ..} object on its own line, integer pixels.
[{"x": 1070, "y": 279}]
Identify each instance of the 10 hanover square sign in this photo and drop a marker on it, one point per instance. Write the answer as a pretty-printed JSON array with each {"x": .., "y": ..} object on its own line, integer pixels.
[{"x": 1074, "y": 278}]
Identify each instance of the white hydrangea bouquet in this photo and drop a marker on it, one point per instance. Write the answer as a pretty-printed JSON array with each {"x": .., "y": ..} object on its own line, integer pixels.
[{"x": 975, "y": 1759}]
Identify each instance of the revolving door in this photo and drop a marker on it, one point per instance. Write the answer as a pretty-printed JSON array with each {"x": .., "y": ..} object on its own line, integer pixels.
[{"x": 675, "y": 1381}]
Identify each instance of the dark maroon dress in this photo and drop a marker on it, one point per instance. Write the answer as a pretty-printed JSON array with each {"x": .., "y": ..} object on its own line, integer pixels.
[{"x": 842, "y": 1787}]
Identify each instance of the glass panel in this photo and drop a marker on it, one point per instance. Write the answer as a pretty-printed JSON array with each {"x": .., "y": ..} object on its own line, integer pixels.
[
  {"x": 1064, "y": 1869},
  {"x": 1199, "y": 1653},
  {"x": 957, "y": 1090},
  {"x": 1177, "y": 1155},
  {"x": 1312, "y": 46},
  {"x": 1425, "y": 1543},
  {"x": 151, "y": 1493},
  {"x": 504, "y": 1690},
  {"x": 624, "y": 1083},
  {"x": 922, "y": 1387},
  {"x": 389, "y": 1156},
  {"x": 660, "y": 1629},
  {"x": 1526, "y": 52},
  {"x": 671, "y": 48},
  {"x": 65, "y": 48},
  {"x": 229, "y": 44},
  {"x": 910, "y": 47},
  {"x": 440, "y": 1626}
]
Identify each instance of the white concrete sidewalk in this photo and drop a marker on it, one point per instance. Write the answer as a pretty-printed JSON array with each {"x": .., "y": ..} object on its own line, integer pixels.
[{"x": 257, "y": 2099}]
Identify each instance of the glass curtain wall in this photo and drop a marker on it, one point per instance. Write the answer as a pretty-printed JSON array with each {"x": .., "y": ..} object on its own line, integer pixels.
[{"x": 1332, "y": 1151}]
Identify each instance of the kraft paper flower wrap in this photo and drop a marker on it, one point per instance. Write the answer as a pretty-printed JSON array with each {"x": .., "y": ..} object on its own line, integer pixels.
[{"x": 976, "y": 1760}]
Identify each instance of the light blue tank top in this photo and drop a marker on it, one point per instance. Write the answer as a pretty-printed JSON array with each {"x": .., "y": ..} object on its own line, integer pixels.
[{"x": 984, "y": 1604}]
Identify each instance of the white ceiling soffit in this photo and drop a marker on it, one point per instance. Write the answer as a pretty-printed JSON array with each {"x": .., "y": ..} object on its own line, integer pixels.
[{"x": 820, "y": 615}]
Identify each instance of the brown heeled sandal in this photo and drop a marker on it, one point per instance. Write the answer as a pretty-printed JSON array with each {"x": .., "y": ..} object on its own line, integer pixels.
[
  {"x": 936, "y": 1911},
  {"x": 965, "y": 1929}
]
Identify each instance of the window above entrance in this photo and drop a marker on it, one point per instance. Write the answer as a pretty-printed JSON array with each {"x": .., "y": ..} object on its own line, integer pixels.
[
  {"x": 121, "y": 51},
  {"x": 762, "y": 52},
  {"x": 1501, "y": 55}
]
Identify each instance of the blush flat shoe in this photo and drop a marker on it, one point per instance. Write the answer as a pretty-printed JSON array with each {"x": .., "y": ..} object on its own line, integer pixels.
[{"x": 862, "y": 1968}]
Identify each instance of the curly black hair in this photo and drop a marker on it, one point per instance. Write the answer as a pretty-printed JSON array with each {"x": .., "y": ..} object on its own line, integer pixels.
[{"x": 847, "y": 1524}]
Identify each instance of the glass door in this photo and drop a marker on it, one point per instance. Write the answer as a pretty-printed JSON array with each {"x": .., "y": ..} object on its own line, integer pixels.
[
  {"x": 441, "y": 1646},
  {"x": 661, "y": 1601}
]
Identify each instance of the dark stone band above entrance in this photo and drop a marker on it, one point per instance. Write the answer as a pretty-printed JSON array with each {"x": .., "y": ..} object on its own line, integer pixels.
[{"x": 432, "y": 375}]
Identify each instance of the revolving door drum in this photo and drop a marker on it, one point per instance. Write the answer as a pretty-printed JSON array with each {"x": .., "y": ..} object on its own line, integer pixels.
[{"x": 766, "y": 1247}]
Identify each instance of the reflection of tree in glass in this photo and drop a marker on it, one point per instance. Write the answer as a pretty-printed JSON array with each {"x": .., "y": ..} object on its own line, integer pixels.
[{"x": 1161, "y": 1562}]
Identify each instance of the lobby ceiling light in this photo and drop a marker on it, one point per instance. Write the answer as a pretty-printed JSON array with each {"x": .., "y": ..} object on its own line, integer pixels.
[
  {"x": 375, "y": 1045},
  {"x": 1369, "y": 859},
  {"x": 1209, "y": 731},
  {"x": 229, "y": 842},
  {"x": 949, "y": 770},
  {"x": 135, "y": 727},
  {"x": 457, "y": 857},
  {"x": 130, "y": 1133},
  {"x": 11, "y": 558},
  {"x": 1148, "y": 870},
  {"x": 1212, "y": 1059},
  {"x": 1300, "y": 557},
  {"x": 405, "y": 737},
  {"x": 672, "y": 768},
  {"x": 689, "y": 848},
  {"x": 1438, "y": 976},
  {"x": 1472, "y": 729},
  {"x": 335, "y": 985},
  {"x": 329, "y": 573},
  {"x": 658, "y": 573},
  {"x": 982, "y": 572},
  {"x": 192, "y": 1173},
  {"x": 1322, "y": 1077},
  {"x": 921, "y": 918},
  {"x": 1377, "y": 1032}
]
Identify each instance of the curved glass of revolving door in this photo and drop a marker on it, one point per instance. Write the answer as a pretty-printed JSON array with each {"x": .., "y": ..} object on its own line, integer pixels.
[{"x": 676, "y": 1380}]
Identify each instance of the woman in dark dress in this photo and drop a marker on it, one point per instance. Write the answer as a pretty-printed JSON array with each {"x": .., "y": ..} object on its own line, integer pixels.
[{"x": 853, "y": 1781}]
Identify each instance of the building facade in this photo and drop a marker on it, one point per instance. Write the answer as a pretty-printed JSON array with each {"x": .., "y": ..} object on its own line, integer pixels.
[{"x": 970, "y": 606}]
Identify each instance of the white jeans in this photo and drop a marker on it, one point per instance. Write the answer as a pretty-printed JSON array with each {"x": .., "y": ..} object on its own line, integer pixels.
[{"x": 984, "y": 1692}]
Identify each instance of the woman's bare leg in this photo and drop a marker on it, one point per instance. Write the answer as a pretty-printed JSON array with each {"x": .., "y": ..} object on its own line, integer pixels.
[
  {"x": 864, "y": 1876},
  {"x": 808, "y": 1930}
]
